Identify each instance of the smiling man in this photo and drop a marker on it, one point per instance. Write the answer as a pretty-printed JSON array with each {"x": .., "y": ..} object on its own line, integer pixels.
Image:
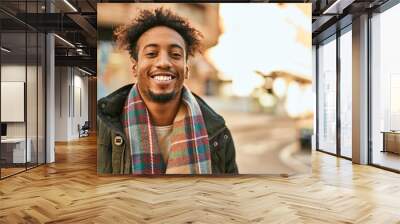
[{"x": 158, "y": 126}]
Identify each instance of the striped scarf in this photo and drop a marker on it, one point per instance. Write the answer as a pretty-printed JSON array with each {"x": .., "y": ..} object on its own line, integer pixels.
[{"x": 189, "y": 150}]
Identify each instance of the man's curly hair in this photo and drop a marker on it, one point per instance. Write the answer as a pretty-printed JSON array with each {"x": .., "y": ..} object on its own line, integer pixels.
[{"x": 128, "y": 35}]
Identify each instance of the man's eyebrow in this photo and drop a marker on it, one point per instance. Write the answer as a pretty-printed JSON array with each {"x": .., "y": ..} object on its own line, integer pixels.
[
  {"x": 176, "y": 45},
  {"x": 150, "y": 45},
  {"x": 170, "y": 46}
]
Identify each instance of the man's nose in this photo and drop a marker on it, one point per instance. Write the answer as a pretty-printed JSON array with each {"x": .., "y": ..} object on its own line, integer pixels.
[{"x": 163, "y": 61}]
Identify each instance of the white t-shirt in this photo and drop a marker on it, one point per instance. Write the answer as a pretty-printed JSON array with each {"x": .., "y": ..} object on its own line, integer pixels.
[
  {"x": 164, "y": 139},
  {"x": 164, "y": 134}
]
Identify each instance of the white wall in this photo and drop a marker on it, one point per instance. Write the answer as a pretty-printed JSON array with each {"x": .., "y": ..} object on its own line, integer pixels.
[
  {"x": 12, "y": 73},
  {"x": 80, "y": 99},
  {"x": 71, "y": 93},
  {"x": 61, "y": 103},
  {"x": 33, "y": 127}
]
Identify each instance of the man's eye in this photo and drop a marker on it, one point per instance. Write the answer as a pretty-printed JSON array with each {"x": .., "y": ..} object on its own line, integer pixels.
[
  {"x": 176, "y": 55},
  {"x": 151, "y": 54}
]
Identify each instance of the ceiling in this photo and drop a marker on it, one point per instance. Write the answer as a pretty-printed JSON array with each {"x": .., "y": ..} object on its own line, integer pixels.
[
  {"x": 331, "y": 15},
  {"x": 72, "y": 20}
]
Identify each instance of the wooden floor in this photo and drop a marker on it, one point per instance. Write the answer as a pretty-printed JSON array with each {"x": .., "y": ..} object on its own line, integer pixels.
[
  {"x": 69, "y": 191},
  {"x": 10, "y": 171}
]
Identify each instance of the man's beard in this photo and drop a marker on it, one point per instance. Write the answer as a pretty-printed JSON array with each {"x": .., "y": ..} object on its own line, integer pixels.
[{"x": 163, "y": 97}]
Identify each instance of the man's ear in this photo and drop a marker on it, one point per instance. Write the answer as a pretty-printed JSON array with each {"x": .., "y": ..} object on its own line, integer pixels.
[
  {"x": 134, "y": 67},
  {"x": 187, "y": 72}
]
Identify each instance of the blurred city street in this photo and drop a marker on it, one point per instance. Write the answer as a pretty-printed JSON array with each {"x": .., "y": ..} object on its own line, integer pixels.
[{"x": 267, "y": 144}]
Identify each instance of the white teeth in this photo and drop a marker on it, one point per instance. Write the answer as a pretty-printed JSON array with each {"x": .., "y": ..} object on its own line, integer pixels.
[{"x": 162, "y": 78}]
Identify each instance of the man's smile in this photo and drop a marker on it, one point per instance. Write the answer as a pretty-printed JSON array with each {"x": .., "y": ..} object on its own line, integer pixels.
[{"x": 163, "y": 77}]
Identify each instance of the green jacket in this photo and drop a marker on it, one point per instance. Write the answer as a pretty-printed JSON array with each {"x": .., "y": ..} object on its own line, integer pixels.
[{"x": 114, "y": 155}]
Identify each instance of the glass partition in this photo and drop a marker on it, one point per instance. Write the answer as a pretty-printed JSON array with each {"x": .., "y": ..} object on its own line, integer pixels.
[
  {"x": 22, "y": 89},
  {"x": 41, "y": 91},
  {"x": 13, "y": 96},
  {"x": 31, "y": 98}
]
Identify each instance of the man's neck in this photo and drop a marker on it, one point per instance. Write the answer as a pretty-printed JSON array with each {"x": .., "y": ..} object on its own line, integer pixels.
[{"x": 163, "y": 114}]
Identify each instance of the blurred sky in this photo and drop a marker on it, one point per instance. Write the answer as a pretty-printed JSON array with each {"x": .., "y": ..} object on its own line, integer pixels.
[{"x": 263, "y": 37}]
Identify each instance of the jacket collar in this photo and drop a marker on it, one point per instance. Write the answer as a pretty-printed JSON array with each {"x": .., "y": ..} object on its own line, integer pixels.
[{"x": 109, "y": 110}]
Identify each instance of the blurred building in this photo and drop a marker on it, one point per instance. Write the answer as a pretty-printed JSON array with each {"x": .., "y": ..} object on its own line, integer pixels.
[{"x": 286, "y": 93}]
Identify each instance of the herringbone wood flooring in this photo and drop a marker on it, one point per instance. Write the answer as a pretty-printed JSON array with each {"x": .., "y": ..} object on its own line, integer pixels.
[{"x": 69, "y": 191}]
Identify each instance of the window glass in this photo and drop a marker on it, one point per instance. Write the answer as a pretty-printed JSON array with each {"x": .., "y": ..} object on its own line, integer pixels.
[
  {"x": 327, "y": 96},
  {"x": 345, "y": 94},
  {"x": 385, "y": 86}
]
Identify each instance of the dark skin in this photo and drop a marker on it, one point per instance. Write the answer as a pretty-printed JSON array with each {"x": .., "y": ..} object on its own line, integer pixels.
[{"x": 161, "y": 68}]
